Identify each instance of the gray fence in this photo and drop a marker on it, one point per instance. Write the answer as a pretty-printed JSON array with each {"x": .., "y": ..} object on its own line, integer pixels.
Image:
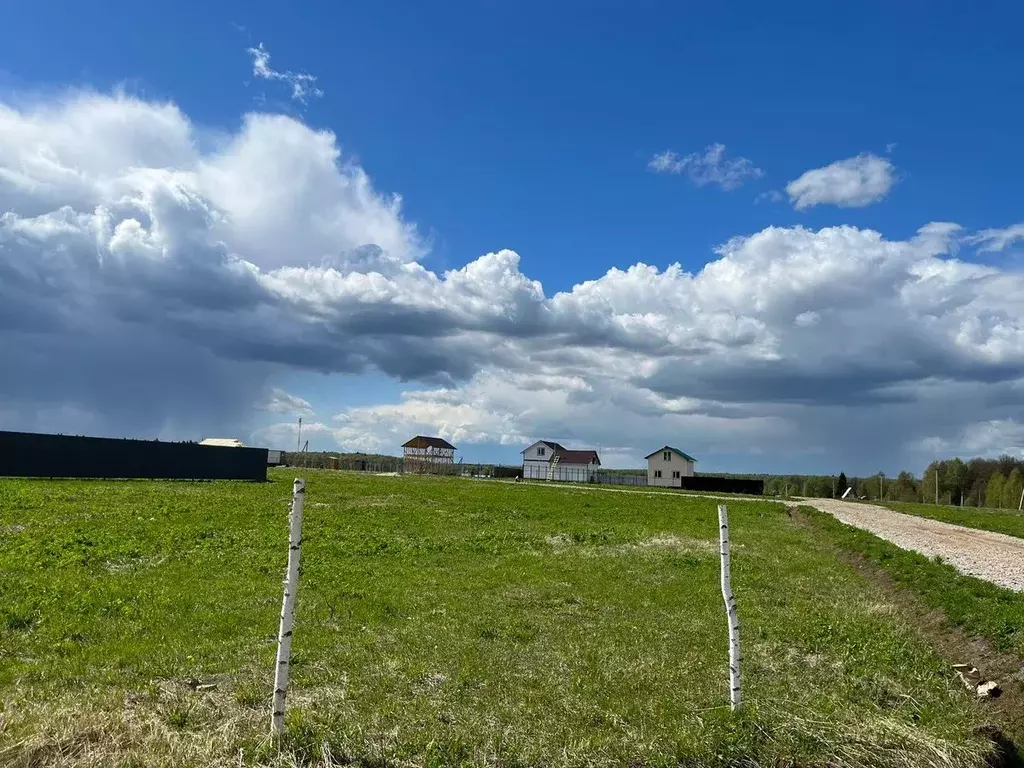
[
  {"x": 612, "y": 478},
  {"x": 583, "y": 475}
]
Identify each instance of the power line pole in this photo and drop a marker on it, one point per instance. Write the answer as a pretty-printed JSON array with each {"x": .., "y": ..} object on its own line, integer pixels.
[{"x": 298, "y": 440}]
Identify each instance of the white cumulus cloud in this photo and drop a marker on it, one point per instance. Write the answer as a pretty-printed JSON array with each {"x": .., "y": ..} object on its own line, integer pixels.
[
  {"x": 851, "y": 183},
  {"x": 152, "y": 287},
  {"x": 709, "y": 167}
]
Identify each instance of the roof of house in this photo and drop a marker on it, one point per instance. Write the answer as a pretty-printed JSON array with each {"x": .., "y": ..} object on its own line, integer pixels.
[
  {"x": 223, "y": 442},
  {"x": 548, "y": 443},
  {"x": 686, "y": 456},
  {"x": 576, "y": 457},
  {"x": 428, "y": 442}
]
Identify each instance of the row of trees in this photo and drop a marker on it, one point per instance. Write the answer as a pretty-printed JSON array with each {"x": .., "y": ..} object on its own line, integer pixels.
[
  {"x": 1005, "y": 492},
  {"x": 977, "y": 482},
  {"x": 995, "y": 483}
]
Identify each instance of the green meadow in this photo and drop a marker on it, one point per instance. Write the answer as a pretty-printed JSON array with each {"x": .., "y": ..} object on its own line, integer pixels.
[{"x": 446, "y": 621}]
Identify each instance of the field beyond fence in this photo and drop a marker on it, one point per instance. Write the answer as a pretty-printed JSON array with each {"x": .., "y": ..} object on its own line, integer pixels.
[{"x": 381, "y": 464}]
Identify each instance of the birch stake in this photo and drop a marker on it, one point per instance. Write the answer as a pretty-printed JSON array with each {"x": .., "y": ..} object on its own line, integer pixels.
[
  {"x": 730, "y": 610},
  {"x": 291, "y": 587}
]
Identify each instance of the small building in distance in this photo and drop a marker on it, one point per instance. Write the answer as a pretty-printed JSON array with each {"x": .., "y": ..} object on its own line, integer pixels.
[
  {"x": 545, "y": 460},
  {"x": 274, "y": 458},
  {"x": 223, "y": 442},
  {"x": 427, "y": 454},
  {"x": 667, "y": 465}
]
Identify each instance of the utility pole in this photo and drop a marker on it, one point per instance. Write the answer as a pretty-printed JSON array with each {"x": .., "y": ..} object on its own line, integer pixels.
[
  {"x": 881, "y": 489},
  {"x": 298, "y": 440},
  {"x": 833, "y": 486}
]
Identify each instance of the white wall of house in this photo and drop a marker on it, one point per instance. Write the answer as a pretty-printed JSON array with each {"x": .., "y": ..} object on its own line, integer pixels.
[
  {"x": 666, "y": 467},
  {"x": 535, "y": 461}
]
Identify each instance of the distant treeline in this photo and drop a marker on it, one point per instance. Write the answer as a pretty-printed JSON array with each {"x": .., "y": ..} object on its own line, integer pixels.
[{"x": 973, "y": 483}]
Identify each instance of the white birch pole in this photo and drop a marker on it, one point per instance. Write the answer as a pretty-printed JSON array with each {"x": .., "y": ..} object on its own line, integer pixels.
[
  {"x": 730, "y": 610},
  {"x": 291, "y": 587}
]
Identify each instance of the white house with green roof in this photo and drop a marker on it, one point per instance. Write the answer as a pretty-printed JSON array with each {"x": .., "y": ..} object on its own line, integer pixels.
[{"x": 667, "y": 465}]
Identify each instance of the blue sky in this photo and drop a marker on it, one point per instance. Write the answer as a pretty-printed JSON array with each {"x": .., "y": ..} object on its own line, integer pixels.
[
  {"x": 532, "y": 128},
  {"x": 522, "y": 126}
]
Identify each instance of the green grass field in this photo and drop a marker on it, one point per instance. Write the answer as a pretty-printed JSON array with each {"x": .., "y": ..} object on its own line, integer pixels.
[
  {"x": 1005, "y": 521},
  {"x": 448, "y": 622}
]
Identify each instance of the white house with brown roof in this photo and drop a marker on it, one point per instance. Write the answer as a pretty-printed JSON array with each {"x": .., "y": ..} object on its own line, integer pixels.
[
  {"x": 667, "y": 465},
  {"x": 545, "y": 460}
]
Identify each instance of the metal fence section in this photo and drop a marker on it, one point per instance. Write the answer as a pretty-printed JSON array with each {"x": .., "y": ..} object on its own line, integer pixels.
[
  {"x": 376, "y": 466},
  {"x": 27, "y": 454},
  {"x": 582, "y": 475},
  {"x": 615, "y": 478},
  {"x": 386, "y": 465}
]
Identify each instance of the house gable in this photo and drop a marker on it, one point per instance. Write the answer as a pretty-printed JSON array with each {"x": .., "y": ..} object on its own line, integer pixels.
[
  {"x": 542, "y": 450},
  {"x": 676, "y": 451}
]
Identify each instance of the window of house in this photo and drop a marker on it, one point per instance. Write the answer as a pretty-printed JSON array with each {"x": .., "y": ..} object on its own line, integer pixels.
[
  {"x": 540, "y": 451},
  {"x": 657, "y": 473},
  {"x": 676, "y": 473},
  {"x": 667, "y": 455}
]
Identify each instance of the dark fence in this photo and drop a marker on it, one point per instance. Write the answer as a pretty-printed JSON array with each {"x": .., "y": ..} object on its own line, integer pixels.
[
  {"x": 722, "y": 485},
  {"x": 24, "y": 454},
  {"x": 507, "y": 472}
]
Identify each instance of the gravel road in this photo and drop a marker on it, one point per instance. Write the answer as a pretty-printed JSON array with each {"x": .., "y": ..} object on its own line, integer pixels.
[{"x": 994, "y": 557}]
